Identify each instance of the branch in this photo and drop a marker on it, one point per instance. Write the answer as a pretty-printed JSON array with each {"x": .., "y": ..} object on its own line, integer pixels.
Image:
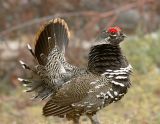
[{"x": 83, "y": 13}]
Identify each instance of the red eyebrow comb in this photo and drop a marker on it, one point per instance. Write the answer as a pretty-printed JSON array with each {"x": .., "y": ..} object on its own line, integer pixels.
[{"x": 114, "y": 29}]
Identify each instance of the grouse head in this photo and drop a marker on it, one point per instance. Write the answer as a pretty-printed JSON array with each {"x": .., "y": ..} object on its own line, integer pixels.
[{"x": 112, "y": 35}]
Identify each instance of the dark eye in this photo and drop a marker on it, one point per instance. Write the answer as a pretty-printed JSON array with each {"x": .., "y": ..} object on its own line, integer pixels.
[{"x": 113, "y": 35}]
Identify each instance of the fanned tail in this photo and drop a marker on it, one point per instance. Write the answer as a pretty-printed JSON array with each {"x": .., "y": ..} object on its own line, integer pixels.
[
  {"x": 52, "y": 35},
  {"x": 42, "y": 91},
  {"x": 55, "y": 32}
]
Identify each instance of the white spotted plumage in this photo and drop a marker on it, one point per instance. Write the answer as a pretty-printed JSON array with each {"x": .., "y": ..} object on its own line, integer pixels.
[
  {"x": 117, "y": 83},
  {"x": 72, "y": 90}
]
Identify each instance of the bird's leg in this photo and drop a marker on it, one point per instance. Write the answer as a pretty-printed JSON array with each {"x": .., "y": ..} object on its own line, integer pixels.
[
  {"x": 94, "y": 119},
  {"x": 76, "y": 120}
]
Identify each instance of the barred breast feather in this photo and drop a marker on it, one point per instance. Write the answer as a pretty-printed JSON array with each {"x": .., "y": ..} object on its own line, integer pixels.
[{"x": 105, "y": 56}]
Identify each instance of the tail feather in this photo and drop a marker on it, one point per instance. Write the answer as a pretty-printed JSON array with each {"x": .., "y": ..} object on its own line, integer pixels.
[
  {"x": 51, "y": 41},
  {"x": 31, "y": 51},
  {"x": 42, "y": 91},
  {"x": 55, "y": 32}
]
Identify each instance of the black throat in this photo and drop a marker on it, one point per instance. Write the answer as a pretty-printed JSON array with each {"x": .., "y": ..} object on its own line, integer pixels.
[{"x": 105, "y": 56}]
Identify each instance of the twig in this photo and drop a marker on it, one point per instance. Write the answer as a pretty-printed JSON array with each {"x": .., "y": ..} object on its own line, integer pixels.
[{"x": 83, "y": 13}]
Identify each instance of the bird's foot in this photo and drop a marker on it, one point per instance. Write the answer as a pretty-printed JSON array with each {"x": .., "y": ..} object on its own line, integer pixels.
[{"x": 94, "y": 119}]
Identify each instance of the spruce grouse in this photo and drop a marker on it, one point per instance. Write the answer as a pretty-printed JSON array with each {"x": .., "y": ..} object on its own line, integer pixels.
[{"x": 72, "y": 91}]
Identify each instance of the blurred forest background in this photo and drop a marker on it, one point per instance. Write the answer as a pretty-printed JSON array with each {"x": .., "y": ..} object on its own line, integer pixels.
[{"x": 140, "y": 20}]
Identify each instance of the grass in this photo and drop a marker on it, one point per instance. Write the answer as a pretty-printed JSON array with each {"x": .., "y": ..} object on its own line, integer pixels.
[{"x": 141, "y": 105}]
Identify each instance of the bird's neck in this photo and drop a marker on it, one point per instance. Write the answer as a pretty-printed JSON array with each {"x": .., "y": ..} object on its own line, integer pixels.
[{"x": 105, "y": 56}]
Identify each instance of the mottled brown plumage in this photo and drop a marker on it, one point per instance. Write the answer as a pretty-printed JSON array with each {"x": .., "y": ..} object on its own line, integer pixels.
[{"x": 73, "y": 91}]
